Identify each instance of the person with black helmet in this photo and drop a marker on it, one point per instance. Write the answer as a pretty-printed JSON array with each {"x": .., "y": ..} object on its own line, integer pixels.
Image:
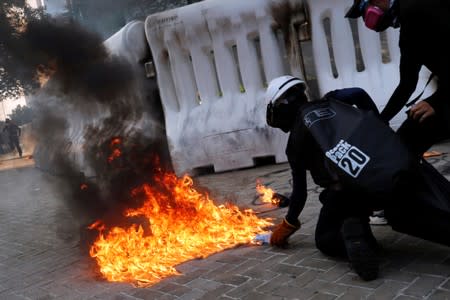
[
  {"x": 13, "y": 132},
  {"x": 343, "y": 225},
  {"x": 424, "y": 27}
]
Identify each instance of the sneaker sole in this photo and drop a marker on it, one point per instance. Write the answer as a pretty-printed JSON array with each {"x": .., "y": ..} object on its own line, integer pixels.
[{"x": 377, "y": 221}]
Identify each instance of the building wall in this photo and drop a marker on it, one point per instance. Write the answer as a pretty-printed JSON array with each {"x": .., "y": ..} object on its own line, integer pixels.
[
  {"x": 54, "y": 7},
  {"x": 36, "y": 3}
]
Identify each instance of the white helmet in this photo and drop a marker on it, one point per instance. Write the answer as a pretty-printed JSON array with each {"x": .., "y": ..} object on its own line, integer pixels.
[
  {"x": 278, "y": 86},
  {"x": 284, "y": 96}
]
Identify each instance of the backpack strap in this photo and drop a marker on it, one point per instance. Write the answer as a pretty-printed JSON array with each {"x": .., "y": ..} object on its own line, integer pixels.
[{"x": 410, "y": 103}]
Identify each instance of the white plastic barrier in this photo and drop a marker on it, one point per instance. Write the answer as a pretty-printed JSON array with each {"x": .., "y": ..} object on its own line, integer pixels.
[
  {"x": 378, "y": 78},
  {"x": 212, "y": 82},
  {"x": 129, "y": 42},
  {"x": 213, "y": 60}
]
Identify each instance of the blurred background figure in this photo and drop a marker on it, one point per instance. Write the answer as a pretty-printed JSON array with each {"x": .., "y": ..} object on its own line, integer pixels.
[{"x": 13, "y": 132}]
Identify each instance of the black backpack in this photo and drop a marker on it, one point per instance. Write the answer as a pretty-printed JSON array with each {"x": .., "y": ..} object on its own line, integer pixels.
[{"x": 362, "y": 150}]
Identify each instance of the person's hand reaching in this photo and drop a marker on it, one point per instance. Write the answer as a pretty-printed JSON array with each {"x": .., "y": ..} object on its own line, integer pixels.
[
  {"x": 282, "y": 232},
  {"x": 421, "y": 111}
]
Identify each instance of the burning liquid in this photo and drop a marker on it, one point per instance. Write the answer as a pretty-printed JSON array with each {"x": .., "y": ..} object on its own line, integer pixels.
[
  {"x": 183, "y": 224},
  {"x": 266, "y": 195}
]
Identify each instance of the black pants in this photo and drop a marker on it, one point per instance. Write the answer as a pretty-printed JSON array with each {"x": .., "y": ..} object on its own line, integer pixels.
[
  {"x": 419, "y": 137},
  {"x": 408, "y": 211},
  {"x": 337, "y": 207},
  {"x": 412, "y": 218},
  {"x": 420, "y": 208},
  {"x": 14, "y": 143}
]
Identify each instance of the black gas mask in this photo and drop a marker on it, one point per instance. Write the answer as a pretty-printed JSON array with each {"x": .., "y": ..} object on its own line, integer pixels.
[
  {"x": 374, "y": 17},
  {"x": 282, "y": 112}
]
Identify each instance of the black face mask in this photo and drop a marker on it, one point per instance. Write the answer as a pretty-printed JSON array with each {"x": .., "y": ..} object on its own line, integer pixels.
[{"x": 281, "y": 116}]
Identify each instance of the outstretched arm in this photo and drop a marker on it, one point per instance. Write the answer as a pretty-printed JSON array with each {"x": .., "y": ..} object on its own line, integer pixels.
[
  {"x": 298, "y": 196},
  {"x": 291, "y": 223},
  {"x": 409, "y": 75}
]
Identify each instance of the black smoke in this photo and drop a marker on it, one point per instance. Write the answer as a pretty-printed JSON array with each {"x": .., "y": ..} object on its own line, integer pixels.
[{"x": 93, "y": 105}]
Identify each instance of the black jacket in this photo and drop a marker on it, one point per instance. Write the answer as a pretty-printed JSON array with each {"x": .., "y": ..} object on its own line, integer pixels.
[
  {"x": 12, "y": 130},
  {"x": 424, "y": 42},
  {"x": 304, "y": 153}
]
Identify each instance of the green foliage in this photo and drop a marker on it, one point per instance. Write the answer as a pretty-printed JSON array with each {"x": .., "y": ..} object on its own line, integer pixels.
[{"x": 21, "y": 115}]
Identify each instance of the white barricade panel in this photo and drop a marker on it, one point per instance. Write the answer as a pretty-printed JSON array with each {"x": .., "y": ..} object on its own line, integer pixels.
[
  {"x": 213, "y": 60},
  {"x": 129, "y": 42},
  {"x": 336, "y": 42}
]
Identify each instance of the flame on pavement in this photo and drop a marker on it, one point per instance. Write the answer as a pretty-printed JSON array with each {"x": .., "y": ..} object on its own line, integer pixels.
[
  {"x": 266, "y": 194},
  {"x": 183, "y": 224}
]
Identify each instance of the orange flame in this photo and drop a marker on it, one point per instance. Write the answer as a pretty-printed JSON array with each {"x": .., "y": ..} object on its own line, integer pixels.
[
  {"x": 266, "y": 195},
  {"x": 183, "y": 224},
  {"x": 116, "y": 152},
  {"x": 45, "y": 72},
  {"x": 115, "y": 141}
]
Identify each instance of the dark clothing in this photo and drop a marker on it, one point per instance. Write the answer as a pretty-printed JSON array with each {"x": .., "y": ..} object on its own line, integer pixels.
[
  {"x": 12, "y": 129},
  {"x": 419, "y": 137},
  {"x": 420, "y": 208},
  {"x": 338, "y": 206},
  {"x": 304, "y": 154},
  {"x": 13, "y": 132},
  {"x": 409, "y": 215},
  {"x": 14, "y": 143},
  {"x": 424, "y": 31}
]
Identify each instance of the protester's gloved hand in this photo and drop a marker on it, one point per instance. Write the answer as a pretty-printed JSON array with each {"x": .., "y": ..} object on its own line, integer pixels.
[{"x": 282, "y": 232}]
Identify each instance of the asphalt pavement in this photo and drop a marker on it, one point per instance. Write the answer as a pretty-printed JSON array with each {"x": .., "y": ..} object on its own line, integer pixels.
[{"x": 40, "y": 257}]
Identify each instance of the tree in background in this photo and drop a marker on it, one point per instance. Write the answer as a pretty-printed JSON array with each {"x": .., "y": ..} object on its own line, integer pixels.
[
  {"x": 21, "y": 115},
  {"x": 15, "y": 80},
  {"x": 19, "y": 66}
]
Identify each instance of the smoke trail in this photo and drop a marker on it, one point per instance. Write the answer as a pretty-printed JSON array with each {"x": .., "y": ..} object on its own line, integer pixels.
[{"x": 93, "y": 106}]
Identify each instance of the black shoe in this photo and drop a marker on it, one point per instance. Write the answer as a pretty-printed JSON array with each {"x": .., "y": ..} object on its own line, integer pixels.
[
  {"x": 360, "y": 250},
  {"x": 283, "y": 201}
]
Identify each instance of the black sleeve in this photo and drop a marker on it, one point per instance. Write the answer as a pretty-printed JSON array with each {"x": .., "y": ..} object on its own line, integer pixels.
[
  {"x": 409, "y": 76},
  {"x": 354, "y": 96},
  {"x": 298, "y": 196},
  {"x": 441, "y": 97}
]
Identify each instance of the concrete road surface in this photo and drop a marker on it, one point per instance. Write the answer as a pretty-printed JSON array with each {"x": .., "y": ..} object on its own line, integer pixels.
[{"x": 40, "y": 256}]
